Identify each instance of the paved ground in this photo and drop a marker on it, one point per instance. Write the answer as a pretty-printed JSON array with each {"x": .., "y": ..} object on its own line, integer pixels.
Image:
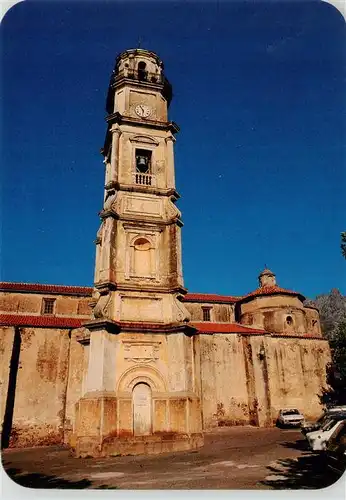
[{"x": 232, "y": 458}]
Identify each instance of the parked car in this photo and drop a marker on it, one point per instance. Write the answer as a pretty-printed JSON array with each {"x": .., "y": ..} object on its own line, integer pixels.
[
  {"x": 336, "y": 450},
  {"x": 337, "y": 409},
  {"x": 318, "y": 440},
  {"x": 289, "y": 417},
  {"x": 310, "y": 426}
]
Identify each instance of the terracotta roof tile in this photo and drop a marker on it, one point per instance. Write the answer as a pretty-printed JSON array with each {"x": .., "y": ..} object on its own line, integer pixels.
[
  {"x": 208, "y": 327},
  {"x": 210, "y": 297},
  {"x": 87, "y": 291},
  {"x": 202, "y": 328},
  {"x": 271, "y": 290},
  {"x": 41, "y": 288},
  {"x": 40, "y": 321}
]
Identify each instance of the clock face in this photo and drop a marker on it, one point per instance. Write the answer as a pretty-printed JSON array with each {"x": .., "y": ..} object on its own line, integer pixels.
[{"x": 143, "y": 110}]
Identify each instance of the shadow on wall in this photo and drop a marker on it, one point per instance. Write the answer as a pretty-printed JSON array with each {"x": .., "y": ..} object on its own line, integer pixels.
[
  {"x": 11, "y": 392},
  {"x": 36, "y": 480},
  {"x": 308, "y": 472}
]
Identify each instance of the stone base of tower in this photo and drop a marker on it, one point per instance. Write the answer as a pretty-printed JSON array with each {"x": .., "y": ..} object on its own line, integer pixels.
[
  {"x": 105, "y": 426},
  {"x": 141, "y": 445}
]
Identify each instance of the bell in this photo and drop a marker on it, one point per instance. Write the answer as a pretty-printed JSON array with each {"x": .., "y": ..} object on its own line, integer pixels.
[{"x": 142, "y": 163}]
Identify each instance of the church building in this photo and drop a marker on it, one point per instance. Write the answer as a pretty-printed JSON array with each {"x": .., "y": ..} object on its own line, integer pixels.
[{"x": 137, "y": 364}]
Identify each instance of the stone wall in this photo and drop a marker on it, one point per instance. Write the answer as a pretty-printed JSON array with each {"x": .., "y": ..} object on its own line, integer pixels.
[
  {"x": 248, "y": 379},
  {"x": 297, "y": 374},
  {"x": 240, "y": 379},
  {"x": 31, "y": 303},
  {"x": 76, "y": 383},
  {"x": 38, "y": 368},
  {"x": 223, "y": 313},
  {"x": 223, "y": 375}
]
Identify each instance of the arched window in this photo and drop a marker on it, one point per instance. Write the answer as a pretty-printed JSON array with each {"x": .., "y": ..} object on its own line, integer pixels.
[
  {"x": 289, "y": 320},
  {"x": 289, "y": 324},
  {"x": 142, "y": 72},
  {"x": 142, "y": 258},
  {"x": 315, "y": 326}
]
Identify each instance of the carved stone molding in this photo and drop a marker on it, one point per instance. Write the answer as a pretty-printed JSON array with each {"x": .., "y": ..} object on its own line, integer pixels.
[
  {"x": 141, "y": 351},
  {"x": 101, "y": 309},
  {"x": 144, "y": 139}
]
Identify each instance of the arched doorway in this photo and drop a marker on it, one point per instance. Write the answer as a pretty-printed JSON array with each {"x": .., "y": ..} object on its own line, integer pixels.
[{"x": 142, "y": 411}]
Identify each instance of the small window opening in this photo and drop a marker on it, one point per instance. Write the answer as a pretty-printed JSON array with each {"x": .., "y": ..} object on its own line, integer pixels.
[
  {"x": 142, "y": 73},
  {"x": 206, "y": 313},
  {"x": 143, "y": 161},
  {"x": 142, "y": 244},
  {"x": 289, "y": 320},
  {"x": 48, "y": 306}
]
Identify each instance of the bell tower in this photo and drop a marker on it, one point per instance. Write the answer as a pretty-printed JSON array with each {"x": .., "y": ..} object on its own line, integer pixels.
[
  {"x": 140, "y": 373},
  {"x": 139, "y": 242}
]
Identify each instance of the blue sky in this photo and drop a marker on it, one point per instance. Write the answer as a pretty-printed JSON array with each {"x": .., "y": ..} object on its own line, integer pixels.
[{"x": 259, "y": 94}]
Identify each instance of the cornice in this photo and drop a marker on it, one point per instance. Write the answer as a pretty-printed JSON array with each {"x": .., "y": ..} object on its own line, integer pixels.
[
  {"x": 105, "y": 287},
  {"x": 148, "y": 327},
  {"x": 136, "y": 188},
  {"x": 104, "y": 214},
  {"x": 123, "y": 81},
  {"x": 122, "y": 119},
  {"x": 127, "y": 287},
  {"x": 102, "y": 324},
  {"x": 133, "y": 220},
  {"x": 115, "y": 327}
]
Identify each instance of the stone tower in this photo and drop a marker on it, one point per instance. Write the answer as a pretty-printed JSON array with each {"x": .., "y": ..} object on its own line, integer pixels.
[{"x": 141, "y": 394}]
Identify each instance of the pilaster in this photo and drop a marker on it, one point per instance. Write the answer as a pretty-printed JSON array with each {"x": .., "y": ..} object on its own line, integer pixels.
[{"x": 170, "y": 140}]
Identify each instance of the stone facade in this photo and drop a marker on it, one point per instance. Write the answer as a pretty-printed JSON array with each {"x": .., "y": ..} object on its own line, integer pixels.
[{"x": 136, "y": 364}]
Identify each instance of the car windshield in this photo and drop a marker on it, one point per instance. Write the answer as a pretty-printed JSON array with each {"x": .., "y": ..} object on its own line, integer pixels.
[
  {"x": 290, "y": 412},
  {"x": 321, "y": 419},
  {"x": 328, "y": 425}
]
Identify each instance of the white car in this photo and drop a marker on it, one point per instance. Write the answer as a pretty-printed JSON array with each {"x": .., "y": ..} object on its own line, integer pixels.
[
  {"x": 318, "y": 440},
  {"x": 290, "y": 416},
  {"x": 336, "y": 412}
]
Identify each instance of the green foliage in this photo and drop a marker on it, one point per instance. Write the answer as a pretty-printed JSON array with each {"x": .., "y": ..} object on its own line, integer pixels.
[
  {"x": 343, "y": 244},
  {"x": 339, "y": 349},
  {"x": 336, "y": 371},
  {"x": 332, "y": 308}
]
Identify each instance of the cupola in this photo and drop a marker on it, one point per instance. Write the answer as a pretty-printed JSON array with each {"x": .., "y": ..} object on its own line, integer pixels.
[{"x": 267, "y": 278}]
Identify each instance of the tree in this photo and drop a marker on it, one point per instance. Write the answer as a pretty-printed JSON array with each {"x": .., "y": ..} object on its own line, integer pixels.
[
  {"x": 332, "y": 308},
  {"x": 343, "y": 244},
  {"x": 336, "y": 371}
]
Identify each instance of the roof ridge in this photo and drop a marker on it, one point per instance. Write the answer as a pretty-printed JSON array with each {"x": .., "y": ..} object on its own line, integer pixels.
[{"x": 43, "y": 287}]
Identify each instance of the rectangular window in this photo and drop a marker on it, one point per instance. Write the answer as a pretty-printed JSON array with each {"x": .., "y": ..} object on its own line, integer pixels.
[
  {"x": 206, "y": 313},
  {"x": 48, "y": 306}
]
